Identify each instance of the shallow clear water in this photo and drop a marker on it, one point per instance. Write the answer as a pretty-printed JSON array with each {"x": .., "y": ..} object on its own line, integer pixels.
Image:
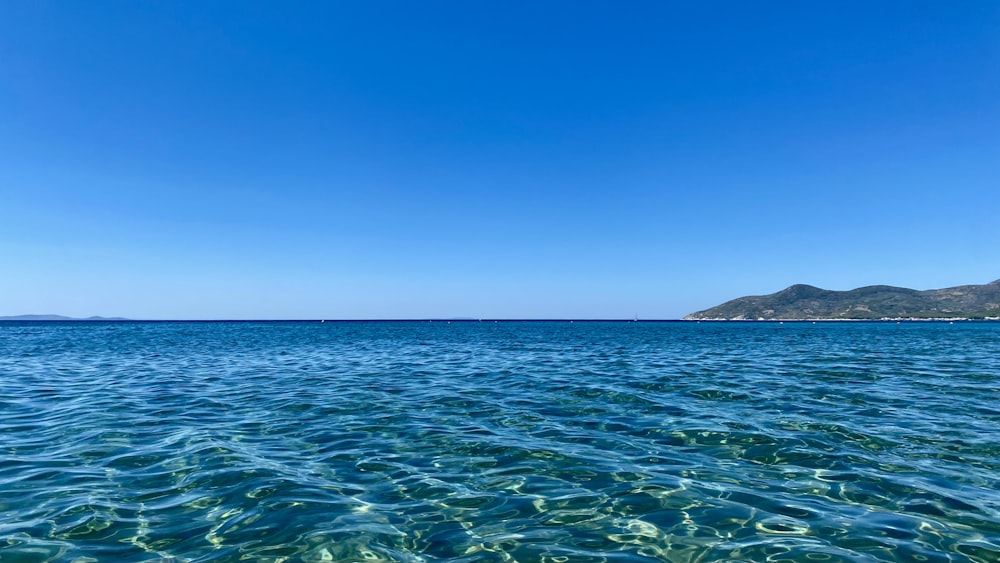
[{"x": 468, "y": 441}]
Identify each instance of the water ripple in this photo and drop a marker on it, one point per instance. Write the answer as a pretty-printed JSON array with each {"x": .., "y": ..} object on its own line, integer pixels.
[{"x": 553, "y": 442}]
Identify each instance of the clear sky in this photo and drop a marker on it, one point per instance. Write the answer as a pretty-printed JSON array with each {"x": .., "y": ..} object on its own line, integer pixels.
[{"x": 489, "y": 159}]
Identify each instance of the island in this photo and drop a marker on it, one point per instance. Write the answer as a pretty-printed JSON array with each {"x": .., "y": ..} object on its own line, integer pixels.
[
  {"x": 58, "y": 318},
  {"x": 806, "y": 302}
]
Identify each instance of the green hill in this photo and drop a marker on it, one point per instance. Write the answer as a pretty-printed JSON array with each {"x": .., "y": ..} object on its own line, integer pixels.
[{"x": 871, "y": 302}]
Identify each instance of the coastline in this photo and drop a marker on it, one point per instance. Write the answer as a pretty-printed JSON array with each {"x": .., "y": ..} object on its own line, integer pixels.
[{"x": 841, "y": 320}]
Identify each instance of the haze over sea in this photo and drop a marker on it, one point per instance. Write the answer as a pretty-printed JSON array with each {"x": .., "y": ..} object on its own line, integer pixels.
[{"x": 509, "y": 441}]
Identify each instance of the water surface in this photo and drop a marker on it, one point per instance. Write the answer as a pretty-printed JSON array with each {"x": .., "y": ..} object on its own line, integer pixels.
[{"x": 469, "y": 441}]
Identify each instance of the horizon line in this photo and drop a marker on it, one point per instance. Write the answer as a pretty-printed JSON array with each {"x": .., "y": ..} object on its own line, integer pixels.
[
  {"x": 95, "y": 318},
  {"x": 449, "y": 320}
]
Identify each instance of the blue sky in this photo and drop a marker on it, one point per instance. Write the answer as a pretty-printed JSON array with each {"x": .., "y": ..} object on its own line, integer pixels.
[{"x": 507, "y": 159}]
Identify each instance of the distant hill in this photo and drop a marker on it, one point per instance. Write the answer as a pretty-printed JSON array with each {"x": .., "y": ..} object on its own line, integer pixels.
[
  {"x": 872, "y": 302},
  {"x": 58, "y": 318}
]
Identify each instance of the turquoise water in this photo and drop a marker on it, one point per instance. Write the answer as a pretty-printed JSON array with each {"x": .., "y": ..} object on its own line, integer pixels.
[{"x": 468, "y": 441}]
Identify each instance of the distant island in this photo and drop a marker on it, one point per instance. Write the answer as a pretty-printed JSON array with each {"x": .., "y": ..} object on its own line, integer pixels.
[
  {"x": 805, "y": 302},
  {"x": 58, "y": 318}
]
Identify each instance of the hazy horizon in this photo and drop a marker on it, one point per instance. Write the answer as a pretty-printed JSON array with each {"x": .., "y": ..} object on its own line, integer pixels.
[{"x": 462, "y": 318}]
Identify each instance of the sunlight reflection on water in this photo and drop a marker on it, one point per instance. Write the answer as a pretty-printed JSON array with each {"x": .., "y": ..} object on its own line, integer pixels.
[{"x": 470, "y": 441}]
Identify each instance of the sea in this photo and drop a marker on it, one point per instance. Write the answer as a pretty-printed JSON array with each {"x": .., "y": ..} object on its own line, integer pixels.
[{"x": 483, "y": 441}]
